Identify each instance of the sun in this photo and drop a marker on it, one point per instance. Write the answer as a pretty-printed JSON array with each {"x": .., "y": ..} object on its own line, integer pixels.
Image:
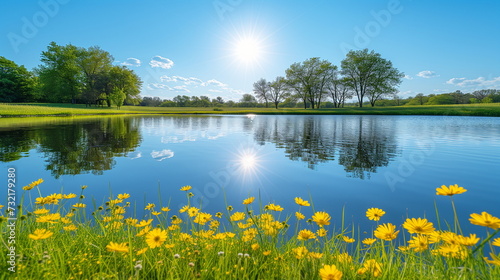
[
  {"x": 247, "y": 161},
  {"x": 248, "y": 50}
]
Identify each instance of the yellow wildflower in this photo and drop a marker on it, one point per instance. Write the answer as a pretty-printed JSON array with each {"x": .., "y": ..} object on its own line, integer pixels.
[
  {"x": 306, "y": 234},
  {"x": 165, "y": 209},
  {"x": 374, "y": 214},
  {"x": 344, "y": 258},
  {"x": 49, "y": 218},
  {"x": 156, "y": 237},
  {"x": 494, "y": 260},
  {"x": 144, "y": 223},
  {"x": 40, "y": 234},
  {"x": 79, "y": 205},
  {"x": 302, "y": 202},
  {"x": 321, "y": 232},
  {"x": 202, "y": 218},
  {"x": 186, "y": 188},
  {"x": 249, "y": 200},
  {"x": 117, "y": 247},
  {"x": 142, "y": 251},
  {"x": 143, "y": 231},
  {"x": 299, "y": 216},
  {"x": 450, "y": 191},
  {"x": 193, "y": 211},
  {"x": 321, "y": 218},
  {"x": 69, "y": 196},
  {"x": 315, "y": 255},
  {"x": 33, "y": 184},
  {"x": 70, "y": 228},
  {"x": 418, "y": 225},
  {"x": 348, "y": 239},
  {"x": 470, "y": 240},
  {"x": 300, "y": 252},
  {"x": 273, "y": 207},
  {"x": 496, "y": 242},
  {"x": 149, "y": 206},
  {"x": 368, "y": 241},
  {"x": 485, "y": 220},
  {"x": 371, "y": 266},
  {"x": 237, "y": 216},
  {"x": 330, "y": 272},
  {"x": 123, "y": 196},
  {"x": 419, "y": 243},
  {"x": 386, "y": 232}
]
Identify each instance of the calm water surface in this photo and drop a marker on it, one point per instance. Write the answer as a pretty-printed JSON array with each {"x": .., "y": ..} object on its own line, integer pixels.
[{"x": 342, "y": 162}]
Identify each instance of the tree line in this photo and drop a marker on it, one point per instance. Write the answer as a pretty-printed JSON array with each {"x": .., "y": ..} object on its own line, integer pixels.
[
  {"x": 70, "y": 74},
  {"x": 362, "y": 73},
  {"x": 456, "y": 97}
]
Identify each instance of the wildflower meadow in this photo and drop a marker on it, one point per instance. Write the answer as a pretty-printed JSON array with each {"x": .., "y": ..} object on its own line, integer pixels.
[{"x": 58, "y": 236}]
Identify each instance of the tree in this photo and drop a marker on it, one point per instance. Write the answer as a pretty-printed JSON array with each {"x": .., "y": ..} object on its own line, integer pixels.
[
  {"x": 248, "y": 100},
  {"x": 261, "y": 90},
  {"x": 277, "y": 90},
  {"x": 483, "y": 93},
  {"x": 440, "y": 99},
  {"x": 204, "y": 101},
  {"x": 217, "y": 101},
  {"x": 117, "y": 97},
  {"x": 60, "y": 77},
  {"x": 95, "y": 64},
  {"x": 17, "y": 84},
  {"x": 151, "y": 101},
  {"x": 309, "y": 79},
  {"x": 71, "y": 74},
  {"x": 367, "y": 73},
  {"x": 339, "y": 91},
  {"x": 181, "y": 100},
  {"x": 122, "y": 78}
]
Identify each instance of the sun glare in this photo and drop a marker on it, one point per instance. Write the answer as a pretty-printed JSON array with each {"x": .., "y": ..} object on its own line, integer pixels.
[
  {"x": 247, "y": 161},
  {"x": 248, "y": 50}
]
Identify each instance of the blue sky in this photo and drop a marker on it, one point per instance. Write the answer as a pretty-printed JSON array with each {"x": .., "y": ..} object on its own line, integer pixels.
[{"x": 221, "y": 47}]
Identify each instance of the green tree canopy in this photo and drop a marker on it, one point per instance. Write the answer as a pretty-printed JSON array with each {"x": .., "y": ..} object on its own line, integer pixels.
[
  {"x": 17, "y": 84},
  {"x": 368, "y": 74},
  {"x": 309, "y": 79},
  {"x": 75, "y": 74}
]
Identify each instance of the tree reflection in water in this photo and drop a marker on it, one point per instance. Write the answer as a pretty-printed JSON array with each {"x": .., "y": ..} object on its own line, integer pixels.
[
  {"x": 76, "y": 147},
  {"x": 360, "y": 143}
]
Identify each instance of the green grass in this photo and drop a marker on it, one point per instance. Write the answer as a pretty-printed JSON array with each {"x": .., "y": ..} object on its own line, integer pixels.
[
  {"x": 247, "y": 242},
  {"x": 53, "y": 109}
]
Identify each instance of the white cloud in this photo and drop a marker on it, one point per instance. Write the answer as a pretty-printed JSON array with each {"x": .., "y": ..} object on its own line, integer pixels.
[
  {"x": 186, "y": 81},
  {"x": 479, "y": 82},
  {"x": 134, "y": 155},
  {"x": 154, "y": 86},
  {"x": 216, "y": 83},
  {"x": 214, "y": 90},
  {"x": 161, "y": 155},
  {"x": 180, "y": 88},
  {"x": 427, "y": 74},
  {"x": 161, "y": 62},
  {"x": 132, "y": 62},
  {"x": 408, "y": 77}
]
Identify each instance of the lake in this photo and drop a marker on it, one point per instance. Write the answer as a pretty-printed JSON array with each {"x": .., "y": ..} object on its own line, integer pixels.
[{"x": 341, "y": 163}]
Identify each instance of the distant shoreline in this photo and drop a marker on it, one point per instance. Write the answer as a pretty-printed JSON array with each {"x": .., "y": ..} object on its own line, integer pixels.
[{"x": 67, "y": 110}]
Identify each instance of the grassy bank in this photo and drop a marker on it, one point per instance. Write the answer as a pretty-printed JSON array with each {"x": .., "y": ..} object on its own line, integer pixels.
[
  {"x": 56, "y": 238},
  {"x": 50, "y": 109}
]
